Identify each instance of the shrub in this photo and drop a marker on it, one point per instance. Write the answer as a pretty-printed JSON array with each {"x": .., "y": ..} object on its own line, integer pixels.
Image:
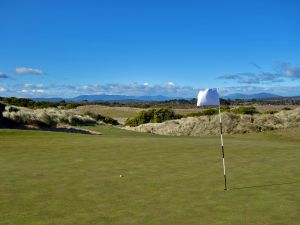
[
  {"x": 141, "y": 118},
  {"x": 209, "y": 111},
  {"x": 99, "y": 117},
  {"x": 12, "y": 109},
  {"x": 270, "y": 112},
  {"x": 225, "y": 108},
  {"x": 72, "y": 105},
  {"x": 163, "y": 114},
  {"x": 286, "y": 108},
  {"x": 249, "y": 110},
  {"x": 110, "y": 120},
  {"x": 80, "y": 120},
  {"x": 157, "y": 115},
  {"x": 2, "y": 108}
]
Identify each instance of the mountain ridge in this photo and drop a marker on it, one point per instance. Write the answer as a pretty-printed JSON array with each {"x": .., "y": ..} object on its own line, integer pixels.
[
  {"x": 261, "y": 95},
  {"x": 105, "y": 98}
]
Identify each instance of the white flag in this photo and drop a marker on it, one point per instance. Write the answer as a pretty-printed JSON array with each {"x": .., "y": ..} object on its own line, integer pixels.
[{"x": 209, "y": 96}]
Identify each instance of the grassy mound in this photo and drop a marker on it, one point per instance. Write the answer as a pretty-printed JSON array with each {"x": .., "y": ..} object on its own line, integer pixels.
[
  {"x": 232, "y": 123},
  {"x": 51, "y": 117}
]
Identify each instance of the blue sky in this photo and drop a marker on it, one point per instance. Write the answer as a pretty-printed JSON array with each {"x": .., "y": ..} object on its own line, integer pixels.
[{"x": 67, "y": 48}]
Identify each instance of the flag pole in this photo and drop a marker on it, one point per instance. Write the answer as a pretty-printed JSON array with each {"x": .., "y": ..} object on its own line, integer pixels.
[{"x": 222, "y": 148}]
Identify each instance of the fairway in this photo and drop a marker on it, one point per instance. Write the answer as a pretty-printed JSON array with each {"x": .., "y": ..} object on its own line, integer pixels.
[{"x": 60, "y": 178}]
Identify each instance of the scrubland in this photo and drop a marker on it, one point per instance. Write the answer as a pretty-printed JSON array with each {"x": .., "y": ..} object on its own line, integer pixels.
[{"x": 232, "y": 123}]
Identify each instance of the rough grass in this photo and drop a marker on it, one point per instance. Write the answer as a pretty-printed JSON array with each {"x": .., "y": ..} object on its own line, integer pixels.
[
  {"x": 260, "y": 108},
  {"x": 115, "y": 112},
  {"x": 47, "y": 117},
  {"x": 58, "y": 178},
  {"x": 122, "y": 113}
]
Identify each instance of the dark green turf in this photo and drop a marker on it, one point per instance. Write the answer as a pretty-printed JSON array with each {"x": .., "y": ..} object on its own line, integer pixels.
[{"x": 59, "y": 178}]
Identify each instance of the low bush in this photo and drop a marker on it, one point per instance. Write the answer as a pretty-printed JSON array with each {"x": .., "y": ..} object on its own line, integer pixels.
[
  {"x": 12, "y": 109},
  {"x": 270, "y": 112},
  {"x": 141, "y": 118},
  {"x": 72, "y": 105},
  {"x": 209, "y": 111},
  {"x": 110, "y": 120},
  {"x": 286, "y": 108},
  {"x": 163, "y": 114},
  {"x": 77, "y": 120},
  {"x": 99, "y": 117},
  {"x": 93, "y": 115},
  {"x": 205, "y": 112},
  {"x": 2, "y": 108},
  {"x": 157, "y": 115},
  {"x": 248, "y": 110}
]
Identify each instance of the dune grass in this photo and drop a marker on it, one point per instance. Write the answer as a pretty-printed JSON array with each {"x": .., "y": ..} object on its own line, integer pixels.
[{"x": 60, "y": 178}]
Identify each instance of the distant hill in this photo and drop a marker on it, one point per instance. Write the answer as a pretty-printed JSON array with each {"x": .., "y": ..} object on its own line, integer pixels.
[
  {"x": 262, "y": 95},
  {"x": 105, "y": 98},
  {"x": 122, "y": 98},
  {"x": 47, "y": 99},
  {"x": 95, "y": 98}
]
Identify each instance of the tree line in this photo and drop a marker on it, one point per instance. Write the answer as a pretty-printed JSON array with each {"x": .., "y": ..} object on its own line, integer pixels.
[{"x": 175, "y": 103}]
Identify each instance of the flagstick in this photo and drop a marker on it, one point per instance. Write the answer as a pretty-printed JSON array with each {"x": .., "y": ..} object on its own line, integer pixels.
[{"x": 222, "y": 147}]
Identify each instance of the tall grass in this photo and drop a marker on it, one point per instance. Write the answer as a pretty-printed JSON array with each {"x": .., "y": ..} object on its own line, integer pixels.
[{"x": 46, "y": 117}]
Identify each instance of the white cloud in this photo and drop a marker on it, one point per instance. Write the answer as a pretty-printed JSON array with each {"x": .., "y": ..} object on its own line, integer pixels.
[
  {"x": 170, "y": 83},
  {"x": 85, "y": 87},
  {"x": 32, "y": 89},
  {"x": 2, "y": 89},
  {"x": 28, "y": 70}
]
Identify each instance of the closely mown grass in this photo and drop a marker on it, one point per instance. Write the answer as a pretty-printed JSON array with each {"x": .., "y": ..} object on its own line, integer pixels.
[{"x": 60, "y": 178}]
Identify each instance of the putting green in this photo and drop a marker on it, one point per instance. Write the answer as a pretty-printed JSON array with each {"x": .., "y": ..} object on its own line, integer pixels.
[{"x": 60, "y": 178}]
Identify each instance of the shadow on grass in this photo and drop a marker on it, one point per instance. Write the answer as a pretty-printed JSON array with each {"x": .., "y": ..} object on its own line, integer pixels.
[
  {"x": 264, "y": 185},
  {"x": 65, "y": 129}
]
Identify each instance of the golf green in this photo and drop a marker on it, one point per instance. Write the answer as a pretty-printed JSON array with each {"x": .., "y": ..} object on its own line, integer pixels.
[{"x": 63, "y": 178}]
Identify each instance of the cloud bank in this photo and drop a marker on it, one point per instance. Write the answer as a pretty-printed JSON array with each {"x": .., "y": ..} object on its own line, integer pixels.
[
  {"x": 243, "y": 82},
  {"x": 134, "y": 89},
  {"x": 281, "y": 72}
]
